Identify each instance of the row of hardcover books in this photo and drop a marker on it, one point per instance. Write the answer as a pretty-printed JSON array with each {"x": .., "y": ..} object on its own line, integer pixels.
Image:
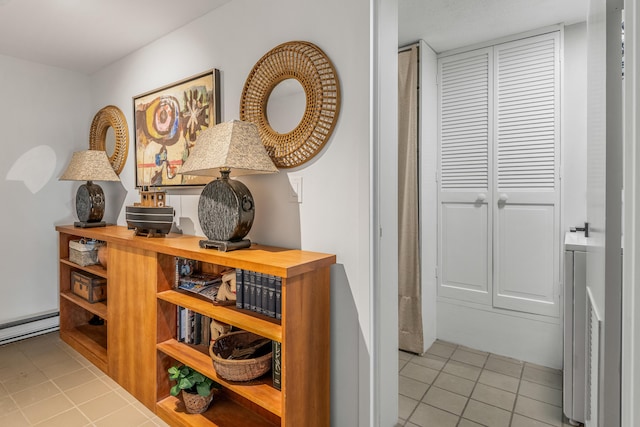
[
  {"x": 192, "y": 327},
  {"x": 259, "y": 292}
]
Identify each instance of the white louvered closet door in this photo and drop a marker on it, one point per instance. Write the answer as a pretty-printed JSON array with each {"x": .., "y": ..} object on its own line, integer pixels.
[
  {"x": 465, "y": 196},
  {"x": 526, "y": 174}
]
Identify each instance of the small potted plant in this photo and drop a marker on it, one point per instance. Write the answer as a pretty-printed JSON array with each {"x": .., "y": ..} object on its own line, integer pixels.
[{"x": 196, "y": 389}]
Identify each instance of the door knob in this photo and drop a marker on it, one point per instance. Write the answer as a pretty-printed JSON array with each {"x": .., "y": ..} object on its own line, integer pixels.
[
  {"x": 503, "y": 198},
  {"x": 481, "y": 197}
]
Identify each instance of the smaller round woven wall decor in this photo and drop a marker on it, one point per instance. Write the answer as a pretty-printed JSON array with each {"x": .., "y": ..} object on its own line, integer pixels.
[
  {"x": 309, "y": 65},
  {"x": 111, "y": 116}
]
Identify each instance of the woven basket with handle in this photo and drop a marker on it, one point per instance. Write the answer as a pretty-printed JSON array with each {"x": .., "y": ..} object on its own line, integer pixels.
[{"x": 238, "y": 369}]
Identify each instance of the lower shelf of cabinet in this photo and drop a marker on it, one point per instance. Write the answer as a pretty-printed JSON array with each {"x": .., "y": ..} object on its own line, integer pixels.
[
  {"x": 259, "y": 391},
  {"x": 223, "y": 412},
  {"x": 90, "y": 341}
]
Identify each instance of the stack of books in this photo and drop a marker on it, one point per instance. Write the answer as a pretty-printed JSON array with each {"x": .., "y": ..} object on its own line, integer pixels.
[
  {"x": 189, "y": 278},
  {"x": 259, "y": 292},
  {"x": 192, "y": 328}
]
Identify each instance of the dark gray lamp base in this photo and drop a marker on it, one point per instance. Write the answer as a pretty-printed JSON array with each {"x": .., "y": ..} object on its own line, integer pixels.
[{"x": 90, "y": 206}]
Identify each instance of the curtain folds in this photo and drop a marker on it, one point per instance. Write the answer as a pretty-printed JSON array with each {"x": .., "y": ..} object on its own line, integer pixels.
[{"x": 410, "y": 334}]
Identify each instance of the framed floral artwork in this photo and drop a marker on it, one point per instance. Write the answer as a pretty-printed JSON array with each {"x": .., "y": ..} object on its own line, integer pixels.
[{"x": 167, "y": 122}]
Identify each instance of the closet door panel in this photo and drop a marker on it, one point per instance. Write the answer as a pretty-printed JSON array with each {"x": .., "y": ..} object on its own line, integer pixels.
[
  {"x": 465, "y": 252},
  {"x": 525, "y": 252},
  {"x": 526, "y": 220},
  {"x": 464, "y": 162}
]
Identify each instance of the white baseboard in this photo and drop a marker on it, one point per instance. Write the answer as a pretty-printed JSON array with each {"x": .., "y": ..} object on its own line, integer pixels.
[
  {"x": 28, "y": 328},
  {"x": 519, "y": 337}
]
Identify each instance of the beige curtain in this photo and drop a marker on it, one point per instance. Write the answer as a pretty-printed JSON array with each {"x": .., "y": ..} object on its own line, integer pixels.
[{"x": 409, "y": 290}]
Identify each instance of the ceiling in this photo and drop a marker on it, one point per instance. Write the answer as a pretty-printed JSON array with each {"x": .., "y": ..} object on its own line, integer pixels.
[
  {"x": 87, "y": 35},
  {"x": 450, "y": 24}
]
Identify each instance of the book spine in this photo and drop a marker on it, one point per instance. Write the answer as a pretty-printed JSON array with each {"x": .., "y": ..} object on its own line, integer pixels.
[
  {"x": 175, "y": 284},
  {"x": 276, "y": 366},
  {"x": 197, "y": 328},
  {"x": 183, "y": 325},
  {"x": 189, "y": 330},
  {"x": 178, "y": 323},
  {"x": 206, "y": 329},
  {"x": 252, "y": 290},
  {"x": 271, "y": 296},
  {"x": 259, "y": 308},
  {"x": 265, "y": 294},
  {"x": 246, "y": 290},
  {"x": 239, "y": 289},
  {"x": 278, "y": 297}
]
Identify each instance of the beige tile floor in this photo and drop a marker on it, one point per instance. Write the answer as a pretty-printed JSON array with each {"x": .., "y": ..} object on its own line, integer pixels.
[
  {"x": 44, "y": 382},
  {"x": 456, "y": 386}
]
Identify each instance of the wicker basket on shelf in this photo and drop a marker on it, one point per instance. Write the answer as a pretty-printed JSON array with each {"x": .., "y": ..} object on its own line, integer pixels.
[{"x": 239, "y": 369}]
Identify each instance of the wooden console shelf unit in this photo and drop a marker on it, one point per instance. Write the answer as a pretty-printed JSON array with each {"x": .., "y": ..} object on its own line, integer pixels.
[{"x": 137, "y": 343}]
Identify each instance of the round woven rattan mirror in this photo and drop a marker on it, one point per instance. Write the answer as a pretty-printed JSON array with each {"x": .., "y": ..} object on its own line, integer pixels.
[
  {"x": 110, "y": 117},
  {"x": 309, "y": 65}
]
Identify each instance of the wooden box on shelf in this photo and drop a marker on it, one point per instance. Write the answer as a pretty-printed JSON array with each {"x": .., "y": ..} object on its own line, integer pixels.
[{"x": 89, "y": 287}]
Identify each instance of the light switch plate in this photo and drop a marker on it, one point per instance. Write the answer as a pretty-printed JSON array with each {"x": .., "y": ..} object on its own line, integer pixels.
[{"x": 295, "y": 191}]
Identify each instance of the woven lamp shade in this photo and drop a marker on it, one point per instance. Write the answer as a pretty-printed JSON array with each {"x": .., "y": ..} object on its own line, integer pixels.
[
  {"x": 89, "y": 165},
  {"x": 234, "y": 145}
]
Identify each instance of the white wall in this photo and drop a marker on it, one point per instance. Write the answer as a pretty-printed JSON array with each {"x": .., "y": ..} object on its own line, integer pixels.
[
  {"x": 604, "y": 211},
  {"x": 334, "y": 214},
  {"x": 630, "y": 390},
  {"x": 428, "y": 189},
  {"x": 44, "y": 116},
  {"x": 574, "y": 126}
]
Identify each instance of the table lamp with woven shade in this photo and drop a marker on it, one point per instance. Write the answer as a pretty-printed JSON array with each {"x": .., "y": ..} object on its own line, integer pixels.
[
  {"x": 226, "y": 208},
  {"x": 89, "y": 165}
]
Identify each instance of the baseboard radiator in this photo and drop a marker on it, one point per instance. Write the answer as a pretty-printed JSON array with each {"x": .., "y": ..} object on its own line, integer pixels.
[
  {"x": 594, "y": 326},
  {"x": 29, "y": 327}
]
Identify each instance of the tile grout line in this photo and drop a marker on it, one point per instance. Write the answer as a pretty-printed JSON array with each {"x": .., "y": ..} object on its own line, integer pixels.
[
  {"x": 515, "y": 401},
  {"x": 484, "y": 368},
  {"x": 433, "y": 382},
  {"x": 475, "y": 384},
  {"x": 59, "y": 391},
  {"x": 62, "y": 392}
]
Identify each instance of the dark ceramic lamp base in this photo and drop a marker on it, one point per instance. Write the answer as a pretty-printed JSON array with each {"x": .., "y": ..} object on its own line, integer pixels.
[
  {"x": 226, "y": 213},
  {"x": 90, "y": 206}
]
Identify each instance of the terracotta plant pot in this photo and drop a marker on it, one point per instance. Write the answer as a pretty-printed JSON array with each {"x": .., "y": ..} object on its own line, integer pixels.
[{"x": 196, "y": 404}]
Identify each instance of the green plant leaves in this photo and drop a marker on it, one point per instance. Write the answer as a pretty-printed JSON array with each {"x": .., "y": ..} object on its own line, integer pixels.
[
  {"x": 204, "y": 389},
  {"x": 190, "y": 380}
]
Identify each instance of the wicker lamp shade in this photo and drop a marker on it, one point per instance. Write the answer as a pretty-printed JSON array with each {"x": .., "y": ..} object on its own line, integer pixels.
[
  {"x": 234, "y": 145},
  {"x": 89, "y": 165},
  {"x": 309, "y": 65}
]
